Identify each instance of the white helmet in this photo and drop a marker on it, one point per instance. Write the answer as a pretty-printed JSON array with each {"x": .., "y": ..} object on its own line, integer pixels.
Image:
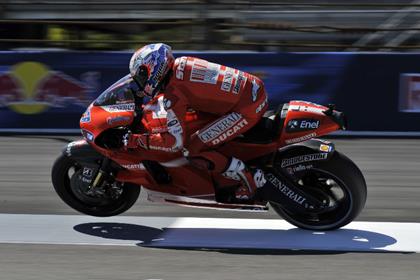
[{"x": 149, "y": 66}]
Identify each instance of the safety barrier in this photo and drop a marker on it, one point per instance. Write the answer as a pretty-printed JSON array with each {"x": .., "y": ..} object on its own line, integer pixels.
[{"x": 379, "y": 92}]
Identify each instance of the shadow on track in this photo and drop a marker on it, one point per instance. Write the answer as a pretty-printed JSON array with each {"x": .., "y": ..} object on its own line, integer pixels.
[{"x": 243, "y": 241}]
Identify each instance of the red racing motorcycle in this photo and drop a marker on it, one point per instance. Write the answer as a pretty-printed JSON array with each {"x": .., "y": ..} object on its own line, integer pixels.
[{"x": 309, "y": 183}]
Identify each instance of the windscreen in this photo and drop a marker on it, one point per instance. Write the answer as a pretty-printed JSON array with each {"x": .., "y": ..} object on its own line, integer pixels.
[{"x": 121, "y": 92}]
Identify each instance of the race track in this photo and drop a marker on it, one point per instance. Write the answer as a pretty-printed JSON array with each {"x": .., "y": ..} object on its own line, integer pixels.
[{"x": 48, "y": 240}]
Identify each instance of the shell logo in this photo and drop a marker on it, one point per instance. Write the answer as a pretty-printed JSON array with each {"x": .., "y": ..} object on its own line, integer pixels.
[{"x": 33, "y": 88}]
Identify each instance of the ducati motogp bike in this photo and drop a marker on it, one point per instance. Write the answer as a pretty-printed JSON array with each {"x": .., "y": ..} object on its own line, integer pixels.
[{"x": 309, "y": 183}]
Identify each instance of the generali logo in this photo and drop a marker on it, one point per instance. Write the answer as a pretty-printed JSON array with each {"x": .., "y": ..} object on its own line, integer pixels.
[{"x": 32, "y": 88}]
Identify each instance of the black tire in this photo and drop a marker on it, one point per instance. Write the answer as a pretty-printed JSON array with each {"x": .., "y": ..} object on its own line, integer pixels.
[
  {"x": 345, "y": 174},
  {"x": 62, "y": 184}
]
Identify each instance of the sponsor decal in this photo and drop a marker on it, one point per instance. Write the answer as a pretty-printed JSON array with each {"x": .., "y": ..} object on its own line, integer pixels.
[
  {"x": 179, "y": 73},
  {"x": 31, "y": 87},
  {"x": 118, "y": 119},
  {"x": 262, "y": 105},
  {"x": 172, "y": 123},
  {"x": 297, "y": 125},
  {"x": 255, "y": 88},
  {"x": 204, "y": 72},
  {"x": 175, "y": 129},
  {"x": 74, "y": 144},
  {"x": 298, "y": 168},
  {"x": 159, "y": 72},
  {"x": 240, "y": 81},
  {"x": 128, "y": 107},
  {"x": 230, "y": 132},
  {"x": 305, "y": 108},
  {"x": 325, "y": 148},
  {"x": 285, "y": 189},
  {"x": 219, "y": 127},
  {"x": 86, "y": 180},
  {"x": 133, "y": 166},
  {"x": 163, "y": 149},
  {"x": 300, "y": 139},
  {"x": 167, "y": 103},
  {"x": 86, "y": 116},
  {"x": 227, "y": 80},
  {"x": 161, "y": 129},
  {"x": 303, "y": 158},
  {"x": 87, "y": 172}
]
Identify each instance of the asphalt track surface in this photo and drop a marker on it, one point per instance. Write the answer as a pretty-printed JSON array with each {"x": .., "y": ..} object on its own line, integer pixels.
[{"x": 391, "y": 168}]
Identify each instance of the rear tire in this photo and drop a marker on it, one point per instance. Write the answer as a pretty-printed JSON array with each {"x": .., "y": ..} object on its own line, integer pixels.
[
  {"x": 350, "y": 194},
  {"x": 63, "y": 182}
]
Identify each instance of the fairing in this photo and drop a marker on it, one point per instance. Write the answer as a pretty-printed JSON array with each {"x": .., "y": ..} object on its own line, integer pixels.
[{"x": 115, "y": 107}]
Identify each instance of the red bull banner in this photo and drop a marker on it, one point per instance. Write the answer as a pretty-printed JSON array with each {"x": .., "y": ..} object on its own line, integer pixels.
[
  {"x": 31, "y": 88},
  {"x": 37, "y": 92},
  {"x": 50, "y": 90}
]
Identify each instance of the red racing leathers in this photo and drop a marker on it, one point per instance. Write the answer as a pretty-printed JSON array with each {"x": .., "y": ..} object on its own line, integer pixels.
[{"x": 237, "y": 99}]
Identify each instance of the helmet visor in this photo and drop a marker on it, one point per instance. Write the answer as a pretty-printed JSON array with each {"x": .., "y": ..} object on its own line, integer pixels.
[{"x": 141, "y": 77}]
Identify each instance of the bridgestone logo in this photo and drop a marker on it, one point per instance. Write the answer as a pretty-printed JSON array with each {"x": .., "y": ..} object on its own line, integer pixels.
[{"x": 303, "y": 158}]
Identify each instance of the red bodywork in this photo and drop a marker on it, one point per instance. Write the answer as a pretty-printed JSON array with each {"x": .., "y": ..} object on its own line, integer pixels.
[
  {"x": 189, "y": 181},
  {"x": 186, "y": 179}
]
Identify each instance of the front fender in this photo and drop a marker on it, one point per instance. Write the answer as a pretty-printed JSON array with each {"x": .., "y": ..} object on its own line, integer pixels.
[{"x": 82, "y": 152}]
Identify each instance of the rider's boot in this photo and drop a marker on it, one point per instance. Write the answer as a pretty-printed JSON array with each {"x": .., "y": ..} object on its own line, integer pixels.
[{"x": 251, "y": 179}]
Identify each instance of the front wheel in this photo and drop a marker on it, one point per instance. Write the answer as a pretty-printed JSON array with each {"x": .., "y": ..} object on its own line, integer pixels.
[
  {"x": 111, "y": 199},
  {"x": 338, "y": 181}
]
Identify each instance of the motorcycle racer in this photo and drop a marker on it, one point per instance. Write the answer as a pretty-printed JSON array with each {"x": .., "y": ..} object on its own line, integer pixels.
[{"x": 237, "y": 100}]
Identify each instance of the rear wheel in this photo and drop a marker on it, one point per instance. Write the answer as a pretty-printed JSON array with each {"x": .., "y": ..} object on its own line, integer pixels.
[
  {"x": 110, "y": 199},
  {"x": 339, "y": 183}
]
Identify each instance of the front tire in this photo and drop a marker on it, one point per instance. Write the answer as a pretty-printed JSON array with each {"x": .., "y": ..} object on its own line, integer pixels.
[
  {"x": 341, "y": 181},
  {"x": 65, "y": 178}
]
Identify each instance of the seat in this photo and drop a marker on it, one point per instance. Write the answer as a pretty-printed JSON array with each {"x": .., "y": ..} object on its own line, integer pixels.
[{"x": 267, "y": 129}]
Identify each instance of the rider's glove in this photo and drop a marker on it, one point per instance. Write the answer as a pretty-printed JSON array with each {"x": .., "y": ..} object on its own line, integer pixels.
[{"x": 133, "y": 141}]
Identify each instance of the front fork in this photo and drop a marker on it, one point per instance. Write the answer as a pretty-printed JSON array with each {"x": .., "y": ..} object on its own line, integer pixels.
[{"x": 103, "y": 173}]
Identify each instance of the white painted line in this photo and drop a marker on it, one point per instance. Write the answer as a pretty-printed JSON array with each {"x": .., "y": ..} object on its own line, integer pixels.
[{"x": 205, "y": 233}]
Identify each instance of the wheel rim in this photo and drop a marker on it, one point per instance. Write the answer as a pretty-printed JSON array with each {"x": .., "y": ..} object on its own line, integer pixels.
[
  {"x": 79, "y": 190},
  {"x": 324, "y": 185}
]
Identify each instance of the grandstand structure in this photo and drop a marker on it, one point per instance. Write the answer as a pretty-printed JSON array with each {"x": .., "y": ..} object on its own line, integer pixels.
[{"x": 295, "y": 25}]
